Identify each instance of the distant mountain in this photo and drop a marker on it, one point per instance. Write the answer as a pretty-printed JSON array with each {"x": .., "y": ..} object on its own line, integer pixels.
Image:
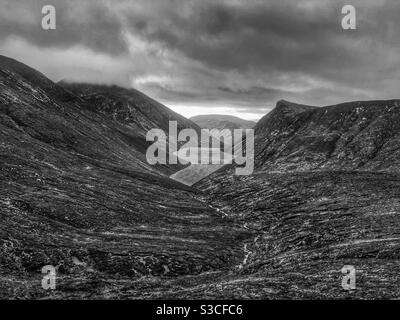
[
  {"x": 216, "y": 121},
  {"x": 196, "y": 172}
]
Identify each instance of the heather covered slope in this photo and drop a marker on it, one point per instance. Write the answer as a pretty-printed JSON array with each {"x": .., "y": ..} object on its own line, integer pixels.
[
  {"x": 34, "y": 106},
  {"x": 362, "y": 135},
  {"x": 128, "y": 106},
  {"x": 76, "y": 193},
  {"x": 306, "y": 226},
  {"x": 324, "y": 194},
  {"x": 135, "y": 114}
]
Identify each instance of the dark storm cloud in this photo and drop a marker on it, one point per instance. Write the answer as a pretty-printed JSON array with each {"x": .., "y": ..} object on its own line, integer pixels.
[
  {"x": 246, "y": 54},
  {"x": 220, "y": 93},
  {"x": 252, "y": 100},
  {"x": 89, "y": 23},
  {"x": 261, "y": 35},
  {"x": 277, "y": 35},
  {"x": 302, "y": 38},
  {"x": 253, "y": 91}
]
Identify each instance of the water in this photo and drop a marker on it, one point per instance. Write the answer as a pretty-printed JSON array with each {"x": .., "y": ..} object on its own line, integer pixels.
[{"x": 196, "y": 155}]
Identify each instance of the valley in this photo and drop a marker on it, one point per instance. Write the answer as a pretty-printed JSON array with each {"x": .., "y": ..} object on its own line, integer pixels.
[{"x": 77, "y": 192}]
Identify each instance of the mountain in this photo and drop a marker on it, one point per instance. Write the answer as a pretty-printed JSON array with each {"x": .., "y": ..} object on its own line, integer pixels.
[
  {"x": 217, "y": 121},
  {"x": 128, "y": 106},
  {"x": 135, "y": 113},
  {"x": 324, "y": 194},
  {"x": 76, "y": 192},
  {"x": 196, "y": 172},
  {"x": 362, "y": 135}
]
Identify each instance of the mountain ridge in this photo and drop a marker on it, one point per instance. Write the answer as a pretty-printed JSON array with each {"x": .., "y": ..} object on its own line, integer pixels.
[
  {"x": 349, "y": 135},
  {"x": 77, "y": 193},
  {"x": 218, "y": 121},
  {"x": 311, "y": 211}
]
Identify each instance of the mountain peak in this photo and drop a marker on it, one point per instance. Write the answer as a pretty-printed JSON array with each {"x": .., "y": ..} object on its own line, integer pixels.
[
  {"x": 283, "y": 113},
  {"x": 21, "y": 69},
  {"x": 351, "y": 135},
  {"x": 284, "y": 105},
  {"x": 34, "y": 78}
]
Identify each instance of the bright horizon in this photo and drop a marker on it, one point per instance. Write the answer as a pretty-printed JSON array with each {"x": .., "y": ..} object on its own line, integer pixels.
[{"x": 192, "y": 111}]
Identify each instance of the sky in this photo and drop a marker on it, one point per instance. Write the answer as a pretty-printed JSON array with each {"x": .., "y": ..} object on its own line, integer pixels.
[{"x": 235, "y": 57}]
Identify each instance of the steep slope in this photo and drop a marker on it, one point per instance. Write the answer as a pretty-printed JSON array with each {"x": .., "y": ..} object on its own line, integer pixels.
[
  {"x": 218, "y": 121},
  {"x": 135, "y": 113},
  {"x": 76, "y": 194},
  {"x": 35, "y": 107},
  {"x": 324, "y": 195},
  {"x": 360, "y": 135},
  {"x": 128, "y": 106}
]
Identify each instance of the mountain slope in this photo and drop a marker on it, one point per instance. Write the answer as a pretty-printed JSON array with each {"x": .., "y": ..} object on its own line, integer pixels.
[
  {"x": 75, "y": 194},
  {"x": 357, "y": 135},
  {"x": 128, "y": 106},
  {"x": 216, "y": 121},
  {"x": 324, "y": 194},
  {"x": 34, "y": 106},
  {"x": 306, "y": 227}
]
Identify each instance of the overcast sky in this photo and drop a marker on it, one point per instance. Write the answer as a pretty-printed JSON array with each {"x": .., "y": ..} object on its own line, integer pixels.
[{"x": 199, "y": 57}]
